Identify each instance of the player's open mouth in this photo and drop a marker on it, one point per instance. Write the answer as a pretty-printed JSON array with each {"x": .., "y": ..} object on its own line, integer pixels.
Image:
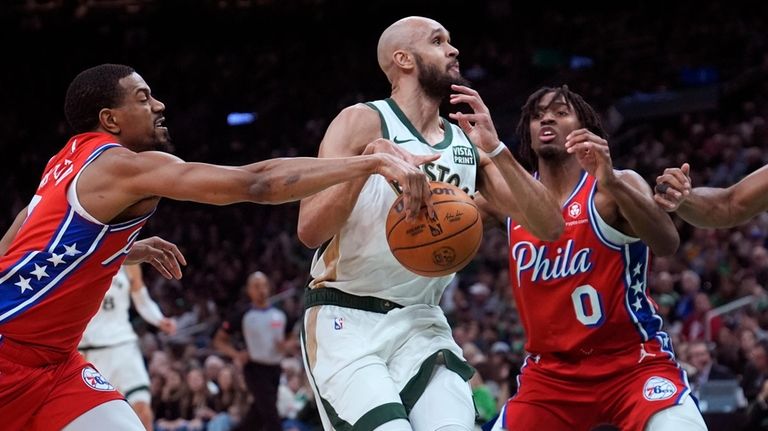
[
  {"x": 160, "y": 123},
  {"x": 547, "y": 134}
]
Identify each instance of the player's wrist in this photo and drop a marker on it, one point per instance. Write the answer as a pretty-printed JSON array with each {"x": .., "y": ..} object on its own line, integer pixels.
[{"x": 496, "y": 151}]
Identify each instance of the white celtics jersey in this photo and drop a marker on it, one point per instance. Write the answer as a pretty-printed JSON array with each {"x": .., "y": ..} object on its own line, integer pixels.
[
  {"x": 111, "y": 325},
  {"x": 358, "y": 260}
]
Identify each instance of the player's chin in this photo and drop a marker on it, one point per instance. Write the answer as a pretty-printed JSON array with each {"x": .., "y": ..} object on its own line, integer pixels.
[{"x": 163, "y": 139}]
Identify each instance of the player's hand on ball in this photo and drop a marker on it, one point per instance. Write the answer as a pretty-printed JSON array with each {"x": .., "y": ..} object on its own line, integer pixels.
[
  {"x": 412, "y": 180},
  {"x": 673, "y": 187},
  {"x": 163, "y": 255}
]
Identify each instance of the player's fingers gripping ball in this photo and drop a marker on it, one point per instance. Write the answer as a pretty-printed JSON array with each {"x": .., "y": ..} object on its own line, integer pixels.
[{"x": 439, "y": 246}]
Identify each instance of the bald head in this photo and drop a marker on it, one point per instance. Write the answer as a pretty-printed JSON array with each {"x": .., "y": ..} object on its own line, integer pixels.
[
  {"x": 402, "y": 35},
  {"x": 258, "y": 288}
]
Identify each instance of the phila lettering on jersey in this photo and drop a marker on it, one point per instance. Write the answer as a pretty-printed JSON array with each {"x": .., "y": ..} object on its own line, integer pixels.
[
  {"x": 586, "y": 290},
  {"x": 357, "y": 260},
  {"x": 62, "y": 260}
]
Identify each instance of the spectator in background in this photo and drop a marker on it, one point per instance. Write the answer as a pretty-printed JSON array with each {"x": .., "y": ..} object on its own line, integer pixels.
[
  {"x": 231, "y": 402},
  {"x": 263, "y": 328},
  {"x": 167, "y": 406},
  {"x": 756, "y": 371},
  {"x": 706, "y": 369},
  {"x": 196, "y": 401},
  {"x": 695, "y": 325}
]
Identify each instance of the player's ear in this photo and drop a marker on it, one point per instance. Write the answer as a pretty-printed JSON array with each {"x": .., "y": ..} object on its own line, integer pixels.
[
  {"x": 108, "y": 121},
  {"x": 403, "y": 59}
]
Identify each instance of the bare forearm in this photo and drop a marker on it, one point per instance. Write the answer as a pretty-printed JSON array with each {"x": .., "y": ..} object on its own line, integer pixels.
[
  {"x": 285, "y": 180},
  {"x": 321, "y": 216},
  {"x": 538, "y": 210},
  {"x": 649, "y": 222},
  {"x": 711, "y": 208}
]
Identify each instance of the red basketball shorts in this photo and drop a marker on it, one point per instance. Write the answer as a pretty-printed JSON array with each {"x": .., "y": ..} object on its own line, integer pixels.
[
  {"x": 567, "y": 394},
  {"x": 47, "y": 397}
]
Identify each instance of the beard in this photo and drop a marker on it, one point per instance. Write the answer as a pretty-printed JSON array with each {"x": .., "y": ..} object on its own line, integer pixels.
[
  {"x": 551, "y": 153},
  {"x": 436, "y": 84}
]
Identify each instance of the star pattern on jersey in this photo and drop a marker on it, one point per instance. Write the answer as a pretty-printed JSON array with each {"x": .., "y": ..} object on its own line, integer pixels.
[
  {"x": 23, "y": 283},
  {"x": 56, "y": 259},
  {"x": 638, "y": 304},
  {"x": 637, "y": 288},
  {"x": 39, "y": 271},
  {"x": 71, "y": 250}
]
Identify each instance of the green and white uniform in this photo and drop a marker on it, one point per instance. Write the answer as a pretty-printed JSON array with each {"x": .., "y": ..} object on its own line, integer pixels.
[{"x": 373, "y": 329}]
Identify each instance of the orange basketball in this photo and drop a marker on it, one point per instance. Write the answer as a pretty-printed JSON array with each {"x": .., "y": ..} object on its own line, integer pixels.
[{"x": 438, "y": 247}]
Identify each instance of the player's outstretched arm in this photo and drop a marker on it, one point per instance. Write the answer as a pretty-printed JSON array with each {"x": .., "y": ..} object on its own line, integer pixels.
[
  {"x": 271, "y": 181},
  {"x": 710, "y": 207},
  {"x": 503, "y": 182},
  {"x": 10, "y": 234}
]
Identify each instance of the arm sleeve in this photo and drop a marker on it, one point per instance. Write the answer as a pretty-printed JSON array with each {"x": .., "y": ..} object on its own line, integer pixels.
[{"x": 146, "y": 306}]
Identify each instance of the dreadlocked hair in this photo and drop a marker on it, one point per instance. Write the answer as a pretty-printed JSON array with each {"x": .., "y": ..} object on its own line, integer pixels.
[{"x": 586, "y": 114}]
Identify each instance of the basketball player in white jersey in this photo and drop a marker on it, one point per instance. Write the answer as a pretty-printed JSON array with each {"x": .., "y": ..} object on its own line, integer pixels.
[
  {"x": 377, "y": 347},
  {"x": 110, "y": 343}
]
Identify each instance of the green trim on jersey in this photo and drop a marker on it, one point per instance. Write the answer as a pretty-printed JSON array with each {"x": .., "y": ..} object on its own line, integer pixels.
[
  {"x": 384, "y": 130},
  {"x": 447, "y": 137},
  {"x": 418, "y": 384},
  {"x": 477, "y": 157},
  {"x": 380, "y": 415}
]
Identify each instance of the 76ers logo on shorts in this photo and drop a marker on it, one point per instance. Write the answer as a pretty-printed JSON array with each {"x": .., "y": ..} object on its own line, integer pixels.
[
  {"x": 658, "y": 388},
  {"x": 95, "y": 380}
]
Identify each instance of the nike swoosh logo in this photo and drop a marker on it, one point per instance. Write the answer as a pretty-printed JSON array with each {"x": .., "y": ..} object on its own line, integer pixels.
[{"x": 398, "y": 141}]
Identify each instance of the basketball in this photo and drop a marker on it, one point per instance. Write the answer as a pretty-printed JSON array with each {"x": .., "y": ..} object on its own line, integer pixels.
[{"x": 440, "y": 246}]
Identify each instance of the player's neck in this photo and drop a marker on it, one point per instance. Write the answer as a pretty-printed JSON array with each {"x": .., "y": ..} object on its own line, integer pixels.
[
  {"x": 560, "y": 177},
  {"x": 422, "y": 111}
]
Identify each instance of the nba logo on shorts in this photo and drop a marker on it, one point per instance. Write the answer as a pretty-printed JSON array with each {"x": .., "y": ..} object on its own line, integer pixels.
[
  {"x": 658, "y": 388},
  {"x": 338, "y": 323},
  {"x": 95, "y": 380}
]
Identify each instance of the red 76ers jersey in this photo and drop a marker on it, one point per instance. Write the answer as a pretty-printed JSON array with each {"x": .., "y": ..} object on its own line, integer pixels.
[
  {"x": 61, "y": 262},
  {"x": 585, "y": 291}
]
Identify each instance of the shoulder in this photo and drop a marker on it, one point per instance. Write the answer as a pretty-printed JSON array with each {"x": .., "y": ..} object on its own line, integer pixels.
[
  {"x": 359, "y": 117},
  {"x": 632, "y": 178},
  {"x": 122, "y": 161},
  {"x": 353, "y": 128}
]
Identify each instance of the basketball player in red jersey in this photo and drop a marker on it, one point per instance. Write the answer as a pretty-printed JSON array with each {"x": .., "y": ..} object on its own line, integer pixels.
[
  {"x": 597, "y": 353},
  {"x": 59, "y": 256}
]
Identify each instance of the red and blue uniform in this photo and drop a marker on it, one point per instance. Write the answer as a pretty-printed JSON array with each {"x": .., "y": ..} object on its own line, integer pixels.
[
  {"x": 53, "y": 278},
  {"x": 597, "y": 352}
]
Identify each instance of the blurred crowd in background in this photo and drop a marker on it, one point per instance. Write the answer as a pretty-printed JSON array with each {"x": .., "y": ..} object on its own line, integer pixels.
[{"x": 683, "y": 83}]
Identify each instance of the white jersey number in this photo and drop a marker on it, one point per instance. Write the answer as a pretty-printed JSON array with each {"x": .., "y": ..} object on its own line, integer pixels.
[{"x": 587, "y": 305}]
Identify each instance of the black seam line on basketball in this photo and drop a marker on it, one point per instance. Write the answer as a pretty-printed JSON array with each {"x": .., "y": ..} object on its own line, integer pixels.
[
  {"x": 438, "y": 240},
  {"x": 436, "y": 204},
  {"x": 470, "y": 256}
]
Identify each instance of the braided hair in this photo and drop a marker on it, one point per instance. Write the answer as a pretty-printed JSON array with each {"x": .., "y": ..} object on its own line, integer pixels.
[{"x": 586, "y": 114}]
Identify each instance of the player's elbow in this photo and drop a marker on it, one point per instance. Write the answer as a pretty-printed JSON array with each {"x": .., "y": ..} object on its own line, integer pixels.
[
  {"x": 668, "y": 247},
  {"x": 554, "y": 231},
  {"x": 551, "y": 231},
  {"x": 307, "y": 235}
]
